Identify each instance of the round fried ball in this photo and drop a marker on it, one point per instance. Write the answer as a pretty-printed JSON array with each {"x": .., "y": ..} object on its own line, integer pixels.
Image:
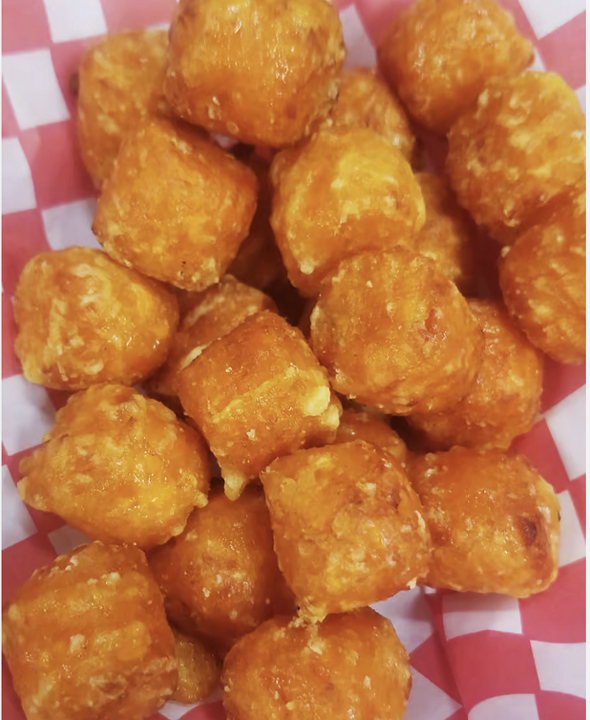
[
  {"x": 396, "y": 334},
  {"x": 259, "y": 73},
  {"x": 349, "y": 666},
  {"x": 176, "y": 206},
  {"x": 121, "y": 80},
  {"x": 119, "y": 467},
  {"x": 346, "y": 190},
  {"x": 494, "y": 521},
  {"x": 439, "y": 54},
  {"x": 258, "y": 262},
  {"x": 347, "y": 526},
  {"x": 220, "y": 578},
  {"x": 256, "y": 394},
  {"x": 372, "y": 428},
  {"x": 364, "y": 100},
  {"x": 543, "y": 281},
  {"x": 504, "y": 401},
  {"x": 86, "y": 638},
  {"x": 209, "y": 316},
  {"x": 198, "y": 669},
  {"x": 522, "y": 145},
  {"x": 448, "y": 235},
  {"x": 83, "y": 319}
]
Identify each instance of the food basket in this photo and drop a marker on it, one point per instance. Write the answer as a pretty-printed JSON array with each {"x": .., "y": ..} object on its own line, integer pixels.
[{"x": 485, "y": 657}]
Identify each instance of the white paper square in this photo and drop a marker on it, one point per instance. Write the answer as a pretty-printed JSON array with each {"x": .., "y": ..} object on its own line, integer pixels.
[
  {"x": 74, "y": 19},
  {"x": 561, "y": 667},
  {"x": 66, "y": 539},
  {"x": 33, "y": 89},
  {"x": 428, "y": 701},
  {"x": 506, "y": 707},
  {"x": 466, "y": 613},
  {"x": 27, "y": 414},
  {"x": 545, "y": 17},
  {"x": 581, "y": 93},
  {"x": 572, "y": 544},
  {"x": 409, "y": 615},
  {"x": 70, "y": 224},
  {"x": 359, "y": 49},
  {"x": 567, "y": 424},
  {"x": 17, "y": 524},
  {"x": 18, "y": 192}
]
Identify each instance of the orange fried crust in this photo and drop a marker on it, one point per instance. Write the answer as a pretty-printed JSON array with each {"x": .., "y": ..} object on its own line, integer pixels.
[{"x": 198, "y": 669}]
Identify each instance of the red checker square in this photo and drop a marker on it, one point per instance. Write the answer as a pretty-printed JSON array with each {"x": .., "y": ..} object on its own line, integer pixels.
[
  {"x": 66, "y": 60},
  {"x": 9, "y": 125},
  {"x": 459, "y": 715},
  {"x": 578, "y": 492},
  {"x": 571, "y": 65},
  {"x": 487, "y": 254},
  {"x": 491, "y": 663},
  {"x": 25, "y": 26},
  {"x": 559, "y": 706},
  {"x": 20, "y": 560},
  {"x": 560, "y": 381},
  {"x": 207, "y": 711},
  {"x": 59, "y": 176},
  {"x": 539, "y": 447},
  {"x": 58, "y": 397},
  {"x": 23, "y": 237},
  {"x": 430, "y": 660},
  {"x": 543, "y": 617},
  {"x": 136, "y": 15},
  {"x": 11, "y": 707},
  {"x": 10, "y": 363},
  {"x": 377, "y": 14}
]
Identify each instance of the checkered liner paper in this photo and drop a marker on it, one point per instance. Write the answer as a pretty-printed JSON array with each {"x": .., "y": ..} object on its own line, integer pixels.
[{"x": 479, "y": 657}]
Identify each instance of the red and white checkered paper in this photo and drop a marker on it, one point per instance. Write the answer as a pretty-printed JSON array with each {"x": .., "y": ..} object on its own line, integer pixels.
[{"x": 477, "y": 657}]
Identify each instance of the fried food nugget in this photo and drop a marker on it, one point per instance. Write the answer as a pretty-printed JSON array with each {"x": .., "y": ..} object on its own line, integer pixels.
[
  {"x": 220, "y": 578},
  {"x": 364, "y": 100},
  {"x": 448, "y": 235},
  {"x": 86, "y": 638},
  {"x": 83, "y": 319},
  {"x": 121, "y": 81},
  {"x": 349, "y": 666},
  {"x": 347, "y": 526},
  {"x": 208, "y": 316},
  {"x": 504, "y": 401},
  {"x": 176, "y": 206},
  {"x": 396, "y": 334},
  {"x": 439, "y": 54},
  {"x": 119, "y": 467},
  {"x": 543, "y": 281},
  {"x": 258, "y": 262},
  {"x": 494, "y": 521},
  {"x": 260, "y": 73},
  {"x": 346, "y": 190},
  {"x": 198, "y": 669},
  {"x": 256, "y": 394},
  {"x": 521, "y": 146},
  {"x": 363, "y": 425}
]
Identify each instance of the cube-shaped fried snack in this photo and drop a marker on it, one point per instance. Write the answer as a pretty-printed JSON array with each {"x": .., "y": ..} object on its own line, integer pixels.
[
  {"x": 350, "y": 666},
  {"x": 198, "y": 669},
  {"x": 259, "y": 73},
  {"x": 121, "y": 81},
  {"x": 521, "y": 146},
  {"x": 448, "y": 235},
  {"x": 221, "y": 578},
  {"x": 439, "y": 54},
  {"x": 364, "y": 100},
  {"x": 372, "y": 428},
  {"x": 83, "y": 319},
  {"x": 494, "y": 521},
  {"x": 543, "y": 280},
  {"x": 396, "y": 334},
  {"x": 208, "y": 316},
  {"x": 256, "y": 394},
  {"x": 119, "y": 467},
  {"x": 176, "y": 206},
  {"x": 505, "y": 399},
  {"x": 86, "y": 638},
  {"x": 347, "y": 526},
  {"x": 345, "y": 191}
]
